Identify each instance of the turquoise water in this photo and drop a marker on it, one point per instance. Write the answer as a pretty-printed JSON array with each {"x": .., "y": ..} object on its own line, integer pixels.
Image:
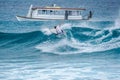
[{"x": 90, "y": 50}]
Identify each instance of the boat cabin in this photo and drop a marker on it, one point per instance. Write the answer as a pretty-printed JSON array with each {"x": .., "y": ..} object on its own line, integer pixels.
[{"x": 53, "y": 13}]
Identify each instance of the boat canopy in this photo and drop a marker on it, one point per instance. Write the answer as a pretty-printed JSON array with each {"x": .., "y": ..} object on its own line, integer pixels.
[{"x": 57, "y": 8}]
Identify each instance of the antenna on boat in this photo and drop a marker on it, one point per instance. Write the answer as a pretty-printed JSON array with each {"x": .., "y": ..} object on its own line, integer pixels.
[{"x": 30, "y": 11}]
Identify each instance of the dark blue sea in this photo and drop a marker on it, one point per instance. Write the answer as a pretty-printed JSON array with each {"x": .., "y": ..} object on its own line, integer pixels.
[{"x": 90, "y": 50}]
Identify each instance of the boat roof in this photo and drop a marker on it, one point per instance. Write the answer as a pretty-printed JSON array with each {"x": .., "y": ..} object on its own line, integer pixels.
[{"x": 57, "y": 8}]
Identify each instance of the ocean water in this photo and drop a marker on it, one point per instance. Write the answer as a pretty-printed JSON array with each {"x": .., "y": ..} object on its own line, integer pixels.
[{"x": 90, "y": 50}]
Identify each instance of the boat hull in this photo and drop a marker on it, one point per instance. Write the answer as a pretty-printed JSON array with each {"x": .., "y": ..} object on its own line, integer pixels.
[{"x": 23, "y": 18}]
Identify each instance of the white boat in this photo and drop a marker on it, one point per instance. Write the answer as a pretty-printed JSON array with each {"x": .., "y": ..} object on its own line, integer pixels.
[{"x": 54, "y": 13}]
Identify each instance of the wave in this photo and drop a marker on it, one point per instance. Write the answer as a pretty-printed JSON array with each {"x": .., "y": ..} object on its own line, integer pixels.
[
  {"x": 8, "y": 39},
  {"x": 83, "y": 40},
  {"x": 84, "y": 37}
]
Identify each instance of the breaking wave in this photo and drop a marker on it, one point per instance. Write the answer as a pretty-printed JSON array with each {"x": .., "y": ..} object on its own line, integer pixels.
[{"x": 80, "y": 38}]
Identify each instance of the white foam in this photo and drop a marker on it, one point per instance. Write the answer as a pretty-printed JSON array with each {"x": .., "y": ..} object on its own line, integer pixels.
[
  {"x": 46, "y": 31},
  {"x": 81, "y": 47},
  {"x": 117, "y": 23},
  {"x": 86, "y": 25},
  {"x": 49, "y": 72},
  {"x": 66, "y": 26}
]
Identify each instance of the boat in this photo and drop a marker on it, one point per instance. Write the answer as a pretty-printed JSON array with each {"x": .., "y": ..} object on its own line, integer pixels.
[{"x": 54, "y": 13}]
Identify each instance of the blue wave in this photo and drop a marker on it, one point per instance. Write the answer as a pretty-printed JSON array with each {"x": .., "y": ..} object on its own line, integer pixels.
[{"x": 86, "y": 35}]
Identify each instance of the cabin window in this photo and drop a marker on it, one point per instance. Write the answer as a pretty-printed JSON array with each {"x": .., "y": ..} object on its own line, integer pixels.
[
  {"x": 80, "y": 12},
  {"x": 59, "y": 12},
  {"x": 69, "y": 12},
  {"x": 74, "y": 13},
  {"x": 47, "y": 11},
  {"x": 62, "y": 12},
  {"x": 51, "y": 12},
  {"x": 77, "y": 13},
  {"x": 43, "y": 11},
  {"x": 39, "y": 12}
]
